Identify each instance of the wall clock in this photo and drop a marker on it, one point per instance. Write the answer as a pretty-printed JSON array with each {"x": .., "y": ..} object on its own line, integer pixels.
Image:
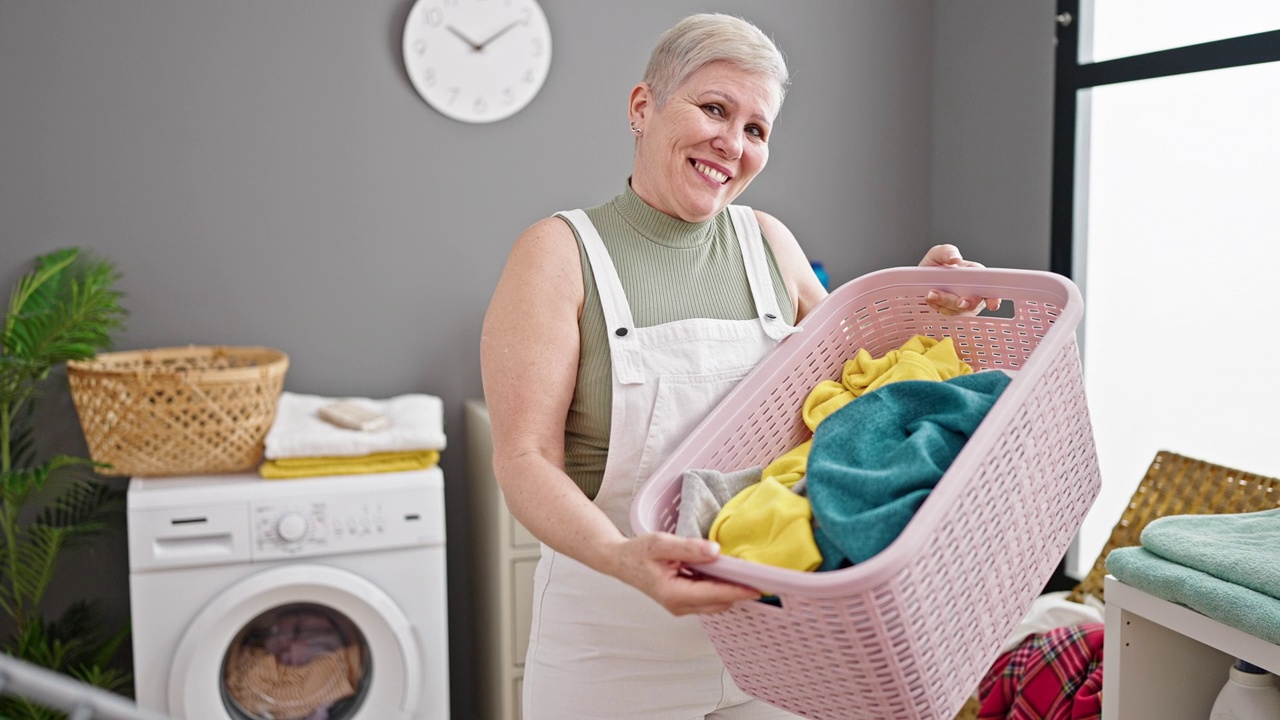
[{"x": 477, "y": 61}]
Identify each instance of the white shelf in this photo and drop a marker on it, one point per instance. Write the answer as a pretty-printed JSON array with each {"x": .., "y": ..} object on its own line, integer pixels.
[{"x": 1167, "y": 661}]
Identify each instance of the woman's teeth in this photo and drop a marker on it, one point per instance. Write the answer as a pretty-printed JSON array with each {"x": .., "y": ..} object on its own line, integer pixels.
[{"x": 711, "y": 172}]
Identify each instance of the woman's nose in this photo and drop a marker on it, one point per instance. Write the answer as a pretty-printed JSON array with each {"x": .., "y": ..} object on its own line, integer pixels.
[{"x": 729, "y": 143}]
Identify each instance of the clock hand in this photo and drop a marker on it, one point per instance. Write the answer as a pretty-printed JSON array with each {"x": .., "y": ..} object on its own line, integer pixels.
[
  {"x": 498, "y": 34},
  {"x": 464, "y": 38}
]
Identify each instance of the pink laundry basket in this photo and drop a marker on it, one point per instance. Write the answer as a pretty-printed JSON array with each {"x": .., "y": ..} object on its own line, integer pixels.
[{"x": 910, "y": 632}]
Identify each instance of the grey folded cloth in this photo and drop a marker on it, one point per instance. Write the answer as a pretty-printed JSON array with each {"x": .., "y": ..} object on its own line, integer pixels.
[{"x": 704, "y": 492}]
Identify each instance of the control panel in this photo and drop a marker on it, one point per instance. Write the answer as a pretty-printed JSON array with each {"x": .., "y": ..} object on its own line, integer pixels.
[{"x": 344, "y": 523}]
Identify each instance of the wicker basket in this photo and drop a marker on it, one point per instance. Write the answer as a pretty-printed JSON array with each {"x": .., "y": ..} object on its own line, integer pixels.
[
  {"x": 909, "y": 633},
  {"x": 177, "y": 411}
]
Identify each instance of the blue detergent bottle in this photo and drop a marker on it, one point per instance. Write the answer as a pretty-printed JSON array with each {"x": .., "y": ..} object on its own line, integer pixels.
[
  {"x": 1250, "y": 694},
  {"x": 821, "y": 272}
]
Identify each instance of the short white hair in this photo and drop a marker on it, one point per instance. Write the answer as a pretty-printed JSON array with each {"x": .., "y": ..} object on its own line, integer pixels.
[{"x": 706, "y": 38}]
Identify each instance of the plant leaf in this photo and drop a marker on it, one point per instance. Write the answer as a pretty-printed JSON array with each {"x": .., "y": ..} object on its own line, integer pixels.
[
  {"x": 16, "y": 708},
  {"x": 82, "y": 507},
  {"x": 18, "y": 484},
  {"x": 37, "y": 288},
  {"x": 108, "y": 647},
  {"x": 82, "y": 623},
  {"x": 36, "y": 559},
  {"x": 98, "y": 676},
  {"x": 64, "y": 309}
]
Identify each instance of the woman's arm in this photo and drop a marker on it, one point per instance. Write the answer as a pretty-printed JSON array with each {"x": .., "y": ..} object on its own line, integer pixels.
[
  {"x": 797, "y": 274},
  {"x": 529, "y": 360}
]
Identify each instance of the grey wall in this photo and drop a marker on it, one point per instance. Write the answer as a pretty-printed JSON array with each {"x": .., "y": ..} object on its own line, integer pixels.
[
  {"x": 263, "y": 173},
  {"x": 993, "y": 129}
]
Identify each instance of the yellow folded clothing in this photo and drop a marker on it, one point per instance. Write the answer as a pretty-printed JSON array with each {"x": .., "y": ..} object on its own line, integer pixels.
[
  {"x": 286, "y": 468},
  {"x": 768, "y": 523}
]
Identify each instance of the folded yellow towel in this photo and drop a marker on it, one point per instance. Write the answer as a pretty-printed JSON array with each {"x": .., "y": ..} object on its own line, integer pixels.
[
  {"x": 767, "y": 523},
  {"x": 286, "y": 468}
]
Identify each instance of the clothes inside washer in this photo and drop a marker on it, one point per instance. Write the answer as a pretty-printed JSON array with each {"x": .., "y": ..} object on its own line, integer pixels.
[{"x": 293, "y": 664}]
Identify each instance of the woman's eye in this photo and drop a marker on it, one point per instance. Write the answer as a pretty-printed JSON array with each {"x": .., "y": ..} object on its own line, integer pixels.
[
  {"x": 713, "y": 109},
  {"x": 755, "y": 130}
]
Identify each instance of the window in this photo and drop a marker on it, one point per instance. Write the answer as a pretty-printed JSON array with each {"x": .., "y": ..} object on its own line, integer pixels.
[
  {"x": 1121, "y": 28},
  {"x": 1165, "y": 212}
]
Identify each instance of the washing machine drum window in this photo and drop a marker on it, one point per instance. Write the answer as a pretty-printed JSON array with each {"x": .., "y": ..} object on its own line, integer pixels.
[{"x": 296, "y": 662}]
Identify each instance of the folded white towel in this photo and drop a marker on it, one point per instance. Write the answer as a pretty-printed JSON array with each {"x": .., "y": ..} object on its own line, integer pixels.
[{"x": 417, "y": 423}]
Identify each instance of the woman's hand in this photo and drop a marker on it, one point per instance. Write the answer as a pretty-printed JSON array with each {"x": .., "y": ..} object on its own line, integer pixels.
[
  {"x": 945, "y": 302},
  {"x": 654, "y": 564}
]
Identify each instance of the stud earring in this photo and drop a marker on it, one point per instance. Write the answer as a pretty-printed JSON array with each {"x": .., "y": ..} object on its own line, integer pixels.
[{"x": 635, "y": 130}]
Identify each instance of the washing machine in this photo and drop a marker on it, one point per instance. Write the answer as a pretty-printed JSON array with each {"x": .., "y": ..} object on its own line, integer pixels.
[{"x": 315, "y": 598}]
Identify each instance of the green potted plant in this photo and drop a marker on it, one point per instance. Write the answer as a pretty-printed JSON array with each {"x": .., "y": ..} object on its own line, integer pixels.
[{"x": 65, "y": 308}]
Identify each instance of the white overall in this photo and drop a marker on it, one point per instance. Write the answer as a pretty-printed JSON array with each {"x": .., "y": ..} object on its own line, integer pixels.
[{"x": 599, "y": 648}]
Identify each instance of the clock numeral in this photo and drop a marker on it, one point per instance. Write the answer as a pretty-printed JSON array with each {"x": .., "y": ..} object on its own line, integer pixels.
[
  {"x": 508, "y": 96},
  {"x": 525, "y": 15},
  {"x": 420, "y": 46},
  {"x": 435, "y": 16},
  {"x": 453, "y": 94},
  {"x": 528, "y": 76},
  {"x": 537, "y": 47},
  {"x": 480, "y": 106},
  {"x": 429, "y": 77}
]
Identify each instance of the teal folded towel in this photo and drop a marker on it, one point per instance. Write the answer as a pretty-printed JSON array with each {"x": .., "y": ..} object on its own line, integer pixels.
[
  {"x": 1226, "y": 602},
  {"x": 1241, "y": 548},
  {"x": 875, "y": 460}
]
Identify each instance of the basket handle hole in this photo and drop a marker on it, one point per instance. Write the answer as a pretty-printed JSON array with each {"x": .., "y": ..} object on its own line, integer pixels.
[{"x": 1006, "y": 311}]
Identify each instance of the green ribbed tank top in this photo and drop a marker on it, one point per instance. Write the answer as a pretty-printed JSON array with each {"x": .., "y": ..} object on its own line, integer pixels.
[{"x": 670, "y": 270}]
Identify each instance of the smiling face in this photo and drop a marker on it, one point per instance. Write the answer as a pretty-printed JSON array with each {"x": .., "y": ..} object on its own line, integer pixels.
[{"x": 701, "y": 149}]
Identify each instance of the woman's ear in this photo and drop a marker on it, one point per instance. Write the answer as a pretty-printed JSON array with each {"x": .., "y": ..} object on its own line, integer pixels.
[{"x": 640, "y": 104}]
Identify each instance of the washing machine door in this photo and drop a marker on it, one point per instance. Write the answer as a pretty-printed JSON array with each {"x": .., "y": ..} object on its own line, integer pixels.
[{"x": 297, "y": 641}]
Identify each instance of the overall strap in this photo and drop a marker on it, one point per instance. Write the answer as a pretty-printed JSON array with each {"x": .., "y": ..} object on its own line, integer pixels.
[
  {"x": 747, "y": 228},
  {"x": 619, "y": 325}
]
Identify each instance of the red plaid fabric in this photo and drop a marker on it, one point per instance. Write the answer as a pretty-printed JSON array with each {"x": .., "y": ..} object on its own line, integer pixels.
[{"x": 1052, "y": 676}]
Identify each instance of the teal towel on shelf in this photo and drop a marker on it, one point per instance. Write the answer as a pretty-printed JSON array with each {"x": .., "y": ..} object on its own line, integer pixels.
[
  {"x": 1226, "y": 602},
  {"x": 1241, "y": 548},
  {"x": 874, "y": 461}
]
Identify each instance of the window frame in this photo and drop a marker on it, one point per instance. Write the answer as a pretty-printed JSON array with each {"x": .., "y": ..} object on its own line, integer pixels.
[
  {"x": 1071, "y": 76},
  {"x": 1069, "y": 187}
]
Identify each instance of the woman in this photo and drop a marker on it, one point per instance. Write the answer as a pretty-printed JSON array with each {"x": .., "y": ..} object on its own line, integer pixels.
[{"x": 611, "y": 333}]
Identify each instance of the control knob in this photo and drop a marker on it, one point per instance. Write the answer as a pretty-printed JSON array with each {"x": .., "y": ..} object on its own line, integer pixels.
[{"x": 291, "y": 527}]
